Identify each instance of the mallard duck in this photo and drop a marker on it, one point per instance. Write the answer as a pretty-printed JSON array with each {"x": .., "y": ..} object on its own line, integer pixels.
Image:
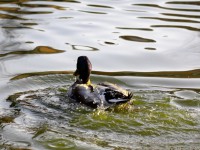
[{"x": 95, "y": 95}]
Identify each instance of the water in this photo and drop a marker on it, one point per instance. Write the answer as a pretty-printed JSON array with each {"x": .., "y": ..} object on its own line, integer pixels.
[{"x": 149, "y": 47}]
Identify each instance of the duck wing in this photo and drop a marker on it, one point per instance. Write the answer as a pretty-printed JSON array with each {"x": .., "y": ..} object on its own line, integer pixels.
[
  {"x": 103, "y": 94},
  {"x": 115, "y": 94}
]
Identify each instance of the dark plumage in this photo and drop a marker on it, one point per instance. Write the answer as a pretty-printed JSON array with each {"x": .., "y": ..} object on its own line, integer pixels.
[{"x": 102, "y": 94}]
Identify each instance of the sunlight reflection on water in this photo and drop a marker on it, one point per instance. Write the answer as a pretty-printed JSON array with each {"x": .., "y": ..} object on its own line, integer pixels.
[{"x": 150, "y": 47}]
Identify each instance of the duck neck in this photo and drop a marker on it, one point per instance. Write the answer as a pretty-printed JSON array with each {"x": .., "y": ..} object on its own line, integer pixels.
[
  {"x": 88, "y": 82},
  {"x": 80, "y": 81}
]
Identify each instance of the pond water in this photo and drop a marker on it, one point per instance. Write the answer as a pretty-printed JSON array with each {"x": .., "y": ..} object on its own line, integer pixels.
[{"x": 150, "y": 47}]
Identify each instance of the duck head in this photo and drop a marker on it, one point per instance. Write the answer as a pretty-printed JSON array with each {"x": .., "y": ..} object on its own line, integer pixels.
[{"x": 83, "y": 69}]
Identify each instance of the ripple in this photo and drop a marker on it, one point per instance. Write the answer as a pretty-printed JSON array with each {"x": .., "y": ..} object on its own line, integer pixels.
[
  {"x": 37, "y": 50},
  {"x": 43, "y": 6},
  {"x": 177, "y": 26},
  {"x": 8, "y": 115},
  {"x": 66, "y": 1},
  {"x": 26, "y": 75},
  {"x": 99, "y": 6},
  {"x": 65, "y": 17},
  {"x": 33, "y": 12},
  {"x": 185, "y": 2},
  {"x": 181, "y": 15},
  {"x": 186, "y": 99},
  {"x": 60, "y": 144},
  {"x": 186, "y": 94},
  {"x": 142, "y": 29},
  {"x": 10, "y": 9},
  {"x": 12, "y": 17},
  {"x": 69, "y": 125},
  {"x": 109, "y": 43},
  {"x": 84, "y": 48},
  {"x": 16, "y": 27},
  {"x": 167, "y": 8},
  {"x": 93, "y": 12},
  {"x": 171, "y": 20},
  {"x": 18, "y": 145},
  {"x": 165, "y": 74},
  {"x": 136, "y": 38},
  {"x": 188, "y": 103},
  {"x": 30, "y": 12},
  {"x": 19, "y": 2},
  {"x": 150, "y": 48},
  {"x": 29, "y": 42},
  {"x": 17, "y": 10},
  {"x": 29, "y": 24}
]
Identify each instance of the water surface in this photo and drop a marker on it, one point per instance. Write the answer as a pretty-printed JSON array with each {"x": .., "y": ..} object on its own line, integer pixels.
[{"x": 150, "y": 47}]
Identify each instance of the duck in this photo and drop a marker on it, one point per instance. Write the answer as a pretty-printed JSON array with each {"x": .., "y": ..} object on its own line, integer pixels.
[{"x": 95, "y": 95}]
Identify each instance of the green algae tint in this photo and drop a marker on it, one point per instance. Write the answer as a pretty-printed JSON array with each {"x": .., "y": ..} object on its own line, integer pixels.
[
  {"x": 59, "y": 144},
  {"x": 148, "y": 47},
  {"x": 150, "y": 120}
]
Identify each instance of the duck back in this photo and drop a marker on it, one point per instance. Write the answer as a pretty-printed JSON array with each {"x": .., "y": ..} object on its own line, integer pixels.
[{"x": 100, "y": 95}]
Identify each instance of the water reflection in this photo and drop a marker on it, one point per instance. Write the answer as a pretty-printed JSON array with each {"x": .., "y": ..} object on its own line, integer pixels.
[
  {"x": 142, "y": 29},
  {"x": 37, "y": 50},
  {"x": 5, "y": 16},
  {"x": 83, "y": 48},
  {"x": 136, "y": 39},
  {"x": 74, "y": 122},
  {"x": 171, "y": 20},
  {"x": 99, "y": 6},
  {"x": 23, "y": 1},
  {"x": 165, "y": 74},
  {"x": 149, "y": 47},
  {"x": 182, "y": 15},
  {"x": 29, "y": 23},
  {"x": 66, "y": 1},
  {"x": 177, "y": 26},
  {"x": 184, "y": 2},
  {"x": 167, "y": 8},
  {"x": 92, "y": 12},
  {"x": 42, "y": 6}
]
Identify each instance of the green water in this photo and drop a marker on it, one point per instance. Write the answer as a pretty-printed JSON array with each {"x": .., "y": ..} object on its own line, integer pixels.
[
  {"x": 149, "y": 47},
  {"x": 153, "y": 119}
]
